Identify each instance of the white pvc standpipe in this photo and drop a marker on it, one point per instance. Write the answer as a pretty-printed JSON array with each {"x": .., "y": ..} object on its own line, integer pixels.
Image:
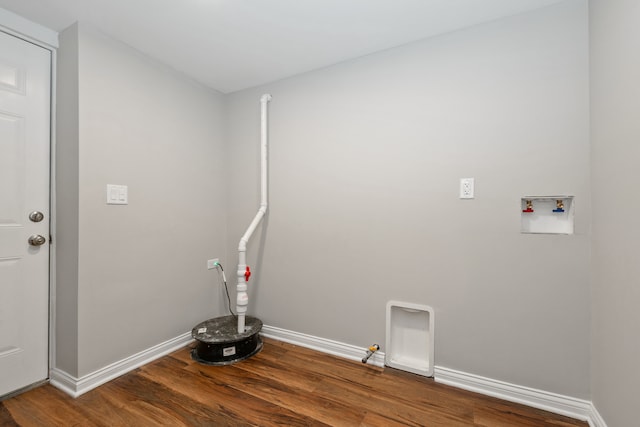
[{"x": 242, "y": 300}]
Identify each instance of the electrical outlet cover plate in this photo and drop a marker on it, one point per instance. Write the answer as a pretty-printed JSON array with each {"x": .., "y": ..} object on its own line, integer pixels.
[
  {"x": 212, "y": 263},
  {"x": 467, "y": 188}
]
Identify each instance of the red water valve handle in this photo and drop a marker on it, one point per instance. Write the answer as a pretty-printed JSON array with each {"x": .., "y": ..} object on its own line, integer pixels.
[{"x": 247, "y": 274}]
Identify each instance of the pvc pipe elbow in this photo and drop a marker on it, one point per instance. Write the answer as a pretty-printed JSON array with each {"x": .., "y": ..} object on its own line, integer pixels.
[{"x": 265, "y": 98}]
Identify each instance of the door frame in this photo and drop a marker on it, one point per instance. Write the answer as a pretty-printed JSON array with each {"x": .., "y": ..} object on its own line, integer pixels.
[{"x": 30, "y": 32}]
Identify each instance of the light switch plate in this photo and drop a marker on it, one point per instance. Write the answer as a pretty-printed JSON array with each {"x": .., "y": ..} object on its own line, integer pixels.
[{"x": 117, "y": 194}]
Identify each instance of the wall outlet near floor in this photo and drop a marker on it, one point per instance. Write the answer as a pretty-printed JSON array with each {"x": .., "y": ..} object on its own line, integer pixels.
[
  {"x": 466, "y": 188},
  {"x": 212, "y": 263}
]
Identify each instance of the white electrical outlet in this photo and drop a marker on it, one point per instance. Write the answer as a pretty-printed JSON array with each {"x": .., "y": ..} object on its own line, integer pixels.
[
  {"x": 212, "y": 263},
  {"x": 466, "y": 188}
]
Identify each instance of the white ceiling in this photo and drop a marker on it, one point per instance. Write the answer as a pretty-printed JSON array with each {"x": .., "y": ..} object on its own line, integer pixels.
[{"x": 230, "y": 45}]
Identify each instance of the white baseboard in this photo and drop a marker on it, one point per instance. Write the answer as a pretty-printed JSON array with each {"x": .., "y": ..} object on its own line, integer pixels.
[
  {"x": 556, "y": 403},
  {"x": 559, "y": 404},
  {"x": 336, "y": 348},
  {"x": 77, "y": 386},
  {"x": 552, "y": 402},
  {"x": 595, "y": 419}
]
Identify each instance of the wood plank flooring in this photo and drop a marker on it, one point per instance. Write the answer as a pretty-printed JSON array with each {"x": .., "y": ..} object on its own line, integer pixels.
[{"x": 284, "y": 385}]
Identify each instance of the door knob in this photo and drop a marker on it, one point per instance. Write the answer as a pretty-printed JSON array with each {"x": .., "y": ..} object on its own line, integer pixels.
[
  {"x": 37, "y": 240},
  {"x": 36, "y": 216}
]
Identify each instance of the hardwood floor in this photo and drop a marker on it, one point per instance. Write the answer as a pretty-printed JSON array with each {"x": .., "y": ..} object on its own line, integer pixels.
[{"x": 284, "y": 385}]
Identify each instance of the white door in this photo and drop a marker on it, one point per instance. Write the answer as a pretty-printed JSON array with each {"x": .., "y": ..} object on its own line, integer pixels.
[{"x": 25, "y": 79}]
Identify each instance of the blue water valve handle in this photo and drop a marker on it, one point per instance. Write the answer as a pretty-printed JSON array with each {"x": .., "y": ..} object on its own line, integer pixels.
[{"x": 559, "y": 206}]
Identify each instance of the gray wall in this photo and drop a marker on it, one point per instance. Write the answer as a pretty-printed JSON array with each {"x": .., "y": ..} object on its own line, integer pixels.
[
  {"x": 67, "y": 204},
  {"x": 615, "y": 132},
  {"x": 365, "y": 161},
  {"x": 140, "y": 269}
]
